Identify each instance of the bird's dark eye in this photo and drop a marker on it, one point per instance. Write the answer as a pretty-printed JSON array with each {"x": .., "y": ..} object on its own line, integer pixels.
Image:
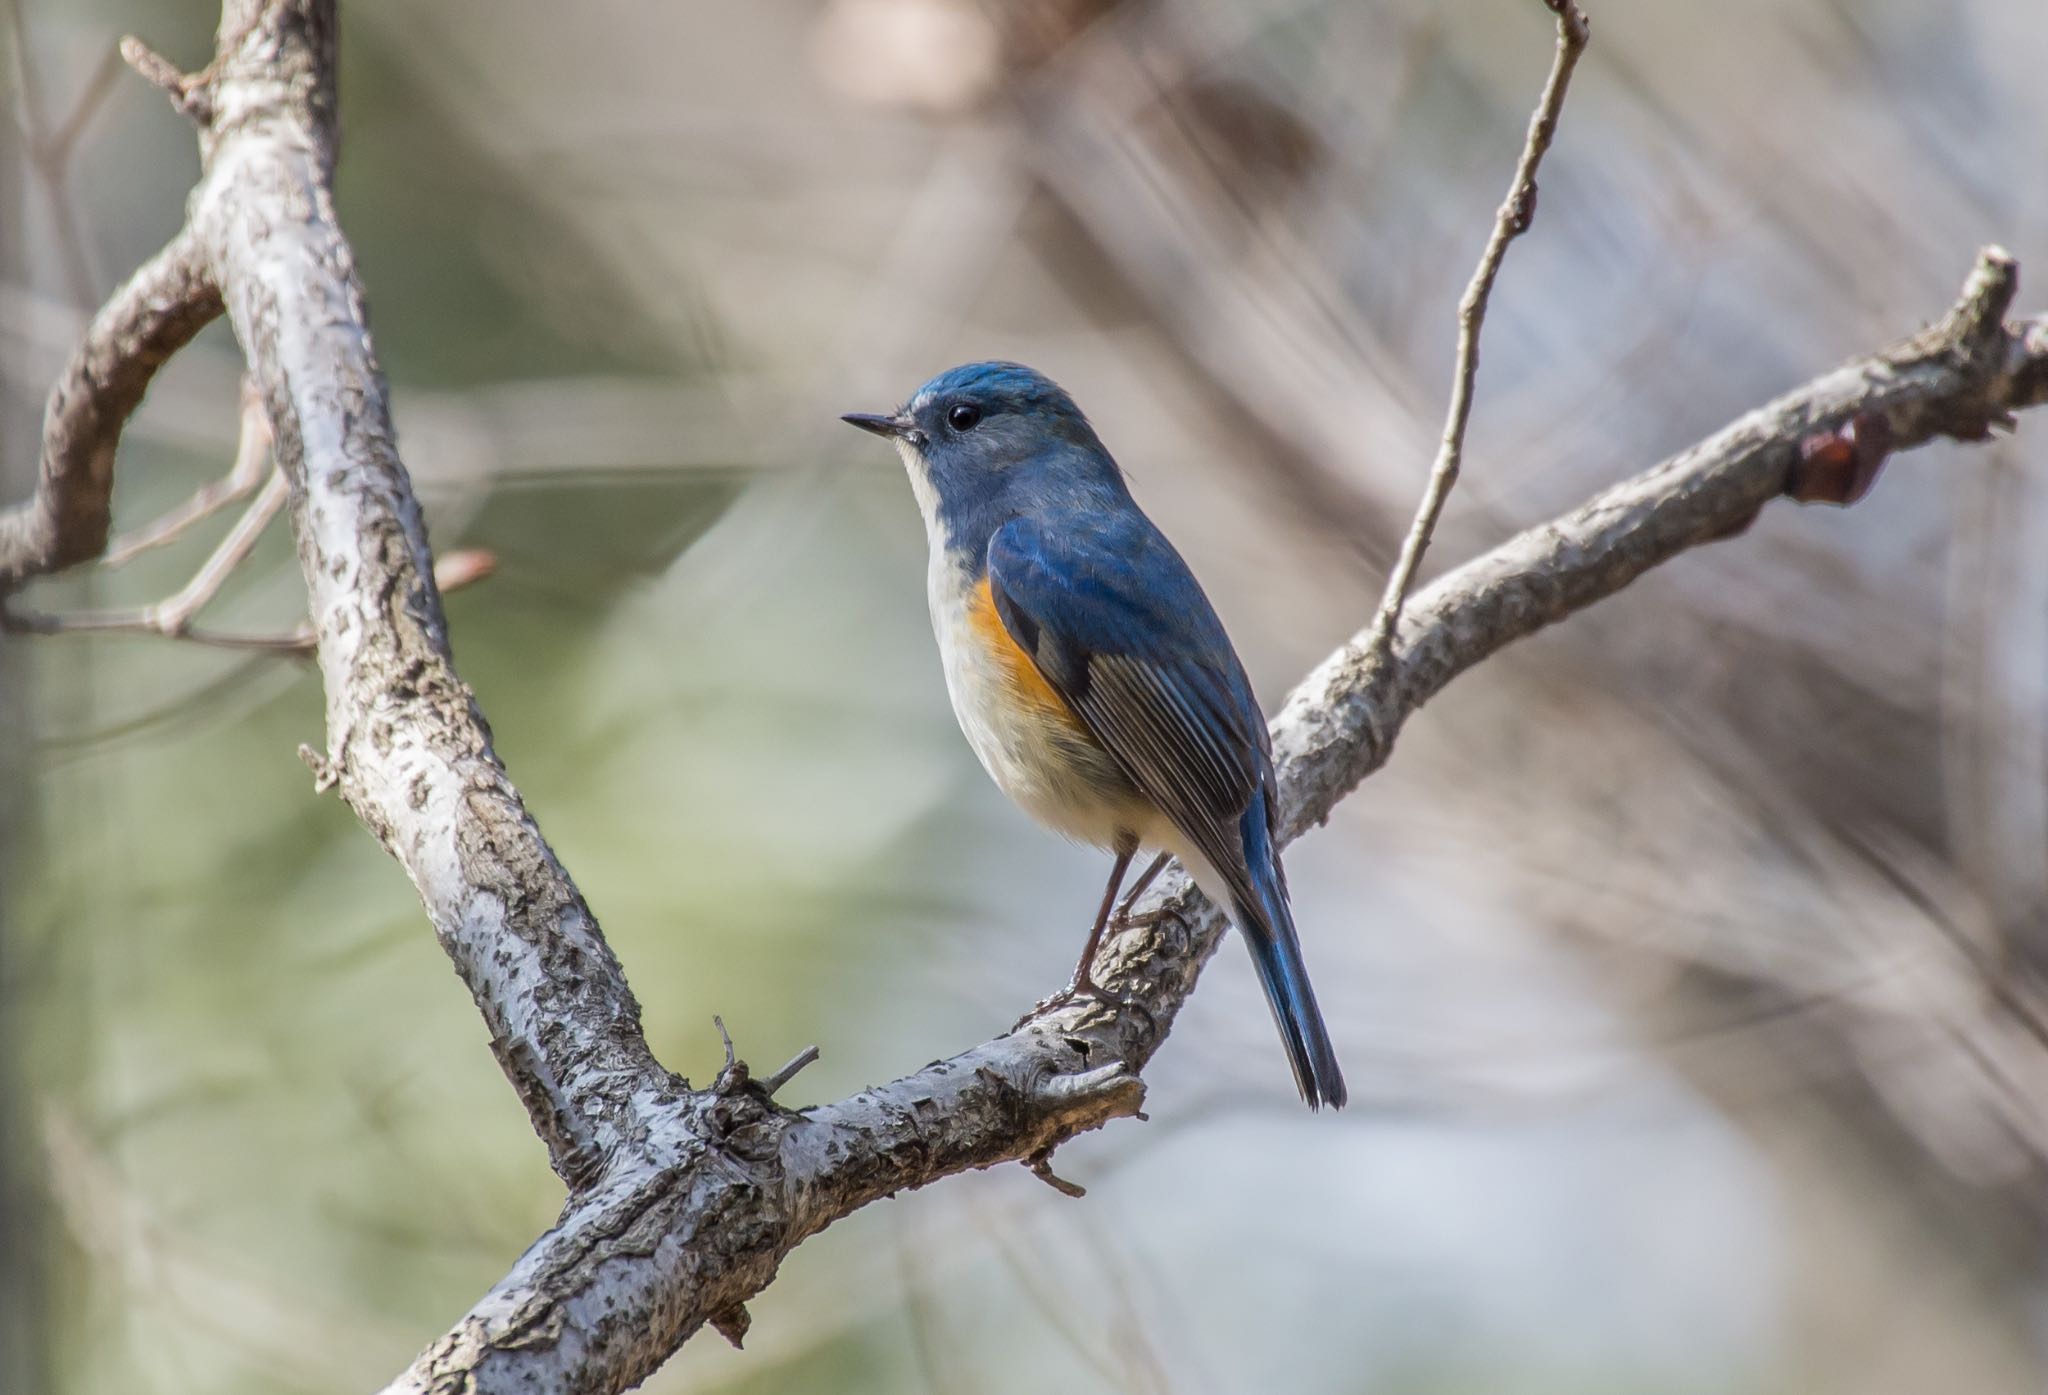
[{"x": 963, "y": 416}]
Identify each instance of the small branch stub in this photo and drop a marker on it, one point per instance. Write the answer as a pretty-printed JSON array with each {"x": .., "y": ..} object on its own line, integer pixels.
[
  {"x": 326, "y": 773},
  {"x": 190, "y": 93},
  {"x": 732, "y": 1324},
  {"x": 774, "y": 1083},
  {"x": 1040, "y": 1164}
]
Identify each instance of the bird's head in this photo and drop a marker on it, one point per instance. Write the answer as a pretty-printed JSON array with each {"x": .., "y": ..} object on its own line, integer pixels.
[{"x": 983, "y": 434}]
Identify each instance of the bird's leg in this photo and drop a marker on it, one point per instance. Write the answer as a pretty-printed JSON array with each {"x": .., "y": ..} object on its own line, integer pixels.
[
  {"x": 1083, "y": 980},
  {"x": 1125, "y": 920},
  {"x": 1083, "y": 983},
  {"x": 1139, "y": 888}
]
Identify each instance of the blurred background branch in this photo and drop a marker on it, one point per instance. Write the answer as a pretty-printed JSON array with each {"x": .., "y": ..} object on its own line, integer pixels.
[{"x": 163, "y": 305}]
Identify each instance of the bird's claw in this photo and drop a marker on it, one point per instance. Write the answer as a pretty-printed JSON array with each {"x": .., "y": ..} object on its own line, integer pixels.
[
  {"x": 1165, "y": 915},
  {"x": 1076, "y": 990}
]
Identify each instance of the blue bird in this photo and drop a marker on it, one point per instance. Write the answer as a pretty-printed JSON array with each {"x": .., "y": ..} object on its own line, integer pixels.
[{"x": 1089, "y": 672}]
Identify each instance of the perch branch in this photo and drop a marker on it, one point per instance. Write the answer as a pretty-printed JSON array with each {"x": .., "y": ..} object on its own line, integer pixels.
[{"x": 1513, "y": 219}]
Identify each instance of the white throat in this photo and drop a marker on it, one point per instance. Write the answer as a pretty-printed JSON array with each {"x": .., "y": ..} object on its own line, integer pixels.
[{"x": 927, "y": 496}]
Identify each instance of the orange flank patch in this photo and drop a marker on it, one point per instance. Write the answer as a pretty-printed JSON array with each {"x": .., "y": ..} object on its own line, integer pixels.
[{"x": 1025, "y": 684}]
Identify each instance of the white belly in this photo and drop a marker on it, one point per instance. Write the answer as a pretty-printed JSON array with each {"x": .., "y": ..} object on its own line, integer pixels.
[{"x": 1055, "y": 773}]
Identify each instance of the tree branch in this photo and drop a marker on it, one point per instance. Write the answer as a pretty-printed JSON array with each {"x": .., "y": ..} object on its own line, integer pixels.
[
  {"x": 1958, "y": 379},
  {"x": 172, "y": 616},
  {"x": 1513, "y": 219},
  {"x": 406, "y": 745},
  {"x": 163, "y": 305},
  {"x": 252, "y": 459},
  {"x": 683, "y": 1201}
]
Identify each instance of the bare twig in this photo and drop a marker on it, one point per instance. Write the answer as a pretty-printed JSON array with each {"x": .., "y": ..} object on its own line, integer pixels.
[
  {"x": 163, "y": 305},
  {"x": 1509, "y": 223},
  {"x": 774, "y": 1083},
  {"x": 252, "y": 455},
  {"x": 172, "y": 618},
  {"x": 190, "y": 93},
  {"x": 173, "y": 615},
  {"x": 296, "y": 643}
]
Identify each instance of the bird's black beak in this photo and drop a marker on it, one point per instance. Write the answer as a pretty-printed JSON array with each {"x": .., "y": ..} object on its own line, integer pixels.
[{"x": 892, "y": 427}]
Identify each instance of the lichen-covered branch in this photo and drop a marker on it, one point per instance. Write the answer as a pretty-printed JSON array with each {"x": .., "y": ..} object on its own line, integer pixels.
[{"x": 684, "y": 1201}]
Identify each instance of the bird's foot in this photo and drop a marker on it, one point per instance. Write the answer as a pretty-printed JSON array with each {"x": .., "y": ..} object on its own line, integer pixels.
[
  {"x": 1124, "y": 920},
  {"x": 1079, "y": 987}
]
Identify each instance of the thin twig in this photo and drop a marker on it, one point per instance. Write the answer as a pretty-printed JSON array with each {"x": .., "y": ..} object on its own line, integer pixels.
[
  {"x": 171, "y": 618},
  {"x": 252, "y": 454},
  {"x": 190, "y": 93},
  {"x": 297, "y": 642},
  {"x": 1510, "y": 223},
  {"x": 774, "y": 1083}
]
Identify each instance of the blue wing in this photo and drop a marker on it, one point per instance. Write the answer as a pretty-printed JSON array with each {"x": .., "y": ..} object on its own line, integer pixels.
[{"x": 1120, "y": 628}]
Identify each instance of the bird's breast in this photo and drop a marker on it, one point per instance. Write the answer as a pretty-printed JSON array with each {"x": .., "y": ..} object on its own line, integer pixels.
[{"x": 1027, "y": 738}]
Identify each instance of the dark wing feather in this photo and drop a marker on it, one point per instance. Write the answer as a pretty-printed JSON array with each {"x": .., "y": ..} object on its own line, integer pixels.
[{"x": 1121, "y": 630}]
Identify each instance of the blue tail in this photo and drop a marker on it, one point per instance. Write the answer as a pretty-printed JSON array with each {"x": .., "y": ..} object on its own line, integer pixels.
[{"x": 1268, "y": 926}]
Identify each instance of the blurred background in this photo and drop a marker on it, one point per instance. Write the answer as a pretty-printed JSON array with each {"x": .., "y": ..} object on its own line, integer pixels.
[{"x": 1686, "y": 961}]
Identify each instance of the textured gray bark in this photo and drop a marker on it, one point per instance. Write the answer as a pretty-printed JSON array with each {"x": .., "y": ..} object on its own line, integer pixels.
[
  {"x": 683, "y": 1201},
  {"x": 407, "y": 747}
]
